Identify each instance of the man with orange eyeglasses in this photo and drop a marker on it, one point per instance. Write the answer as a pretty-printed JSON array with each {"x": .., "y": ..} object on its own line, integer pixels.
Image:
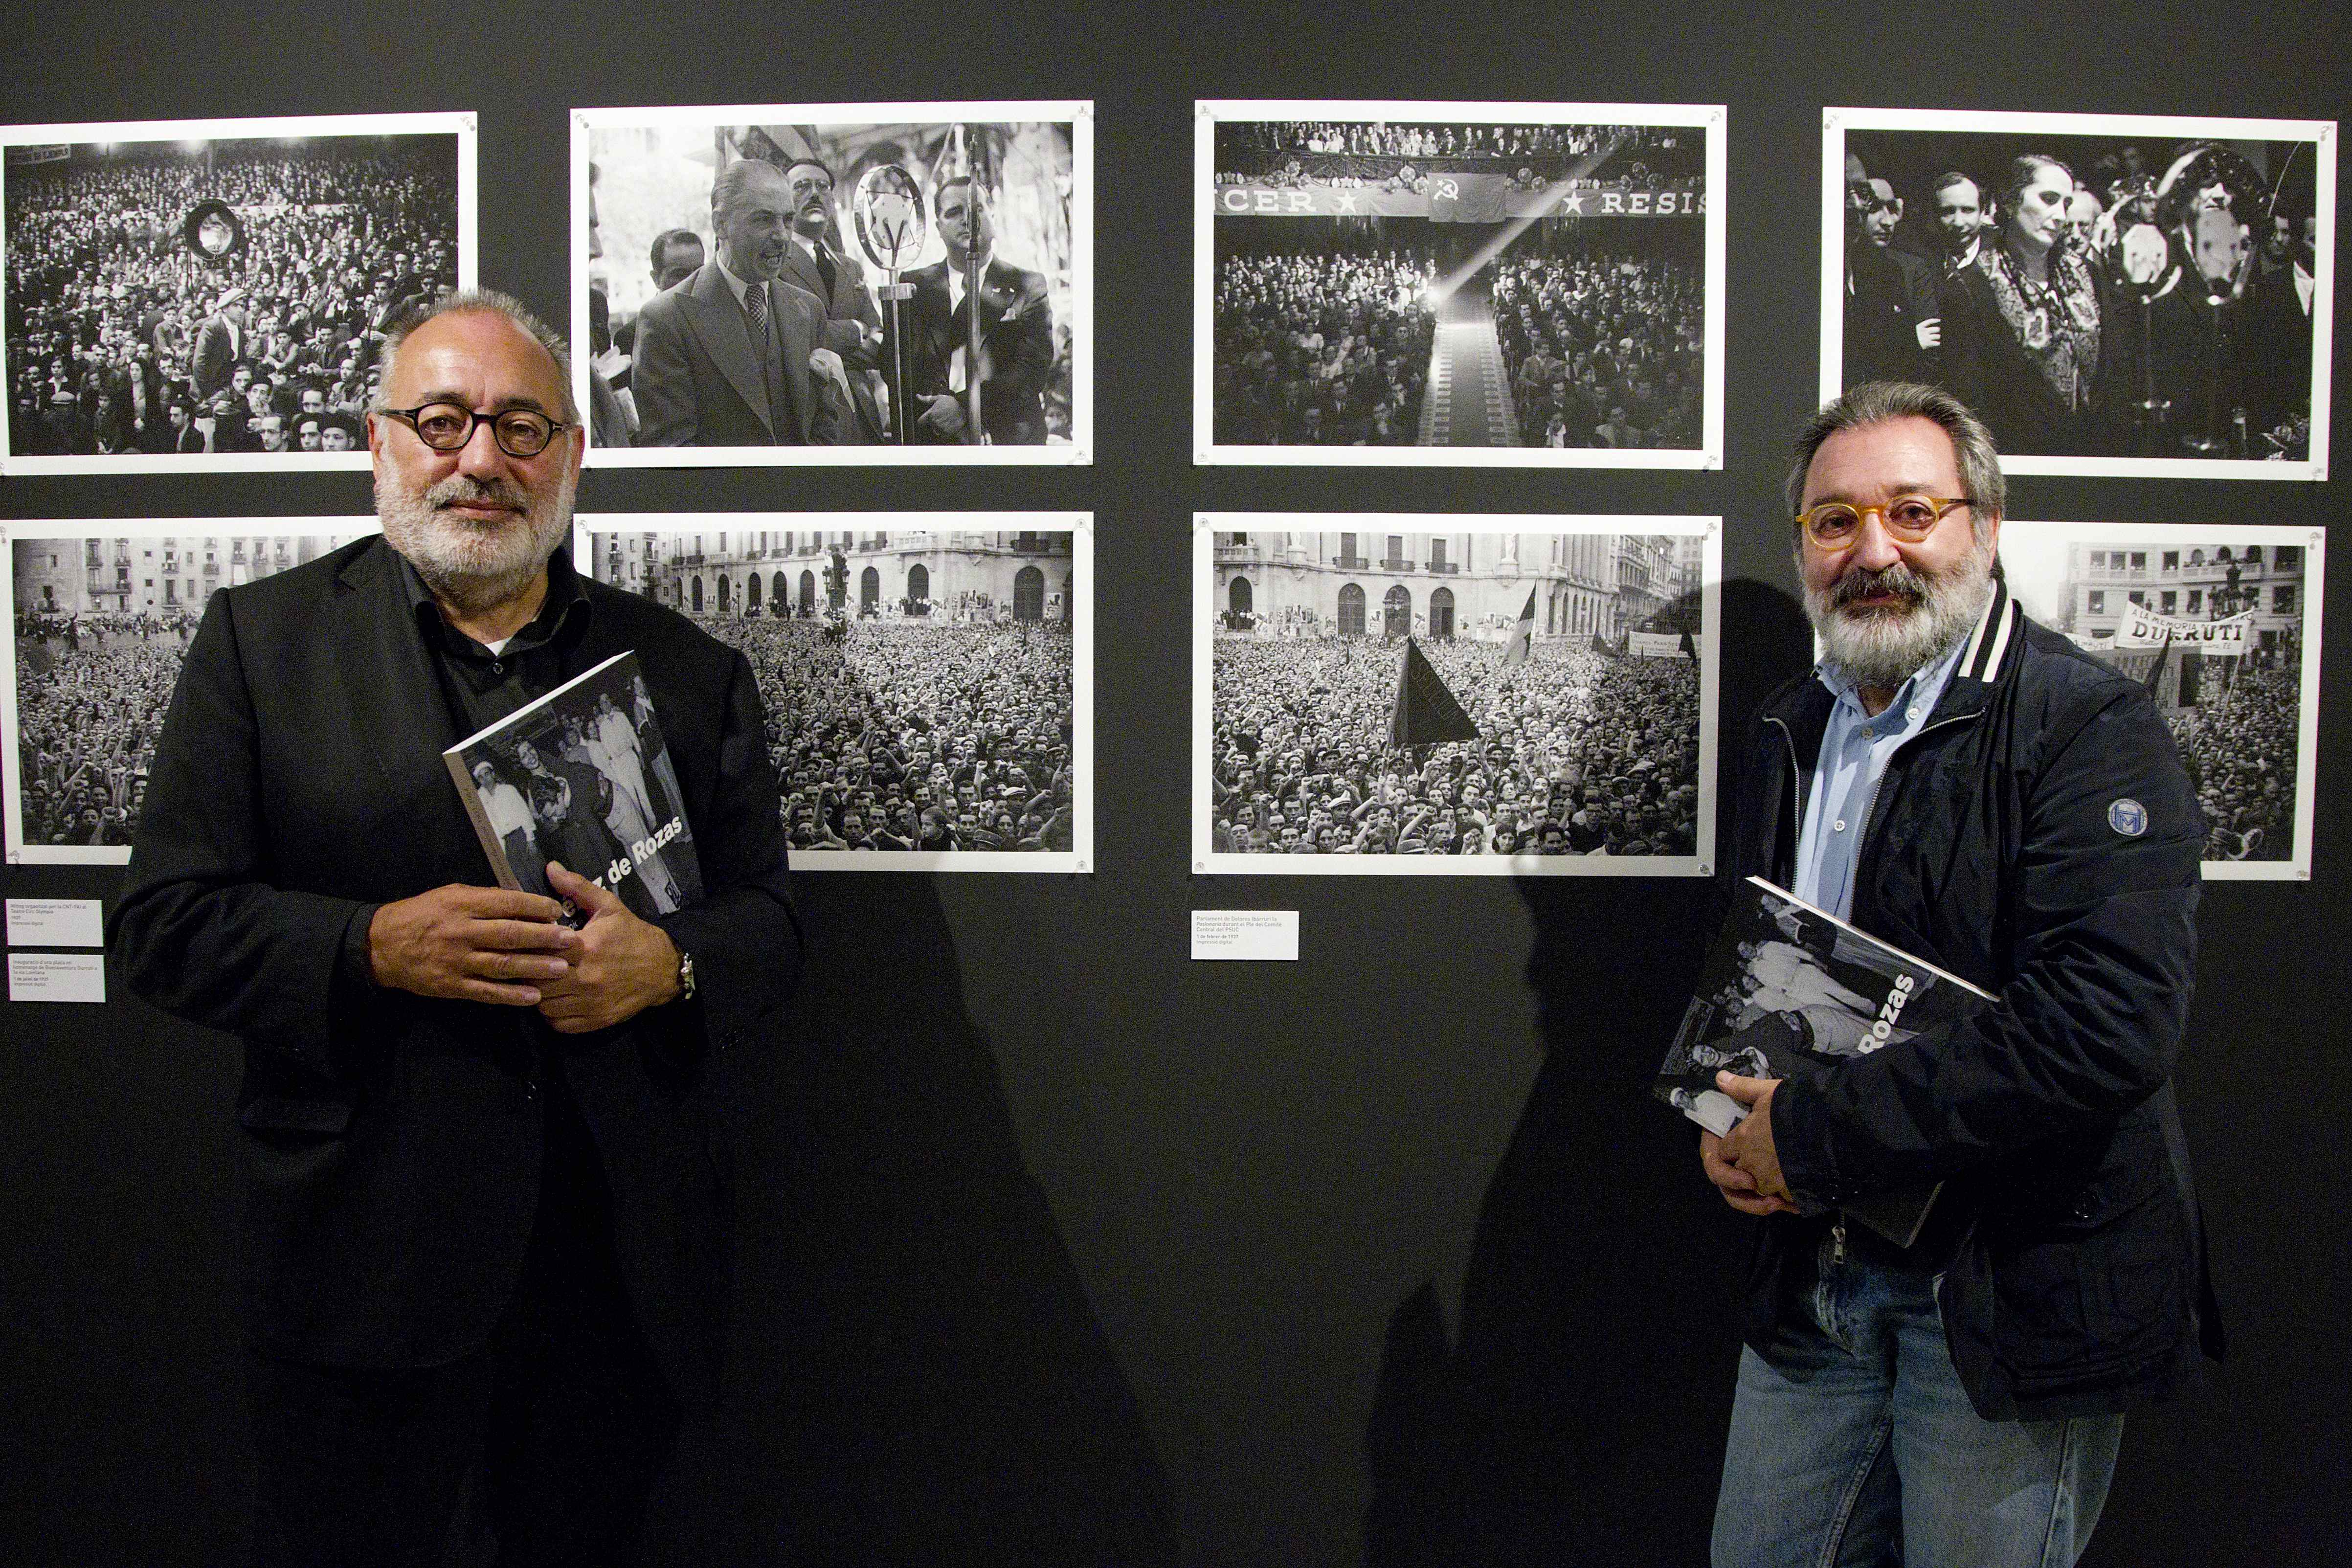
[{"x": 1969, "y": 786}]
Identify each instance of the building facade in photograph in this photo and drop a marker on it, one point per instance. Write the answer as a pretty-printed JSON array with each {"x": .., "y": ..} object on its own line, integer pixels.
[
  {"x": 879, "y": 574},
  {"x": 1443, "y": 586},
  {"x": 2207, "y": 582},
  {"x": 150, "y": 575}
]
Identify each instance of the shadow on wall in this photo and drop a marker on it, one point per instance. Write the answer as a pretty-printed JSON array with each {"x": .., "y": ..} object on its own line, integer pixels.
[
  {"x": 915, "y": 1366},
  {"x": 1582, "y": 1404}
]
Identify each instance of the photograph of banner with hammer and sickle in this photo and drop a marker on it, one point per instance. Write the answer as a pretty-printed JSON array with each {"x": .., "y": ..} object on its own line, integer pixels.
[
  {"x": 209, "y": 296},
  {"x": 2112, "y": 294},
  {"x": 829, "y": 283},
  {"x": 2221, "y": 624},
  {"x": 1458, "y": 284}
]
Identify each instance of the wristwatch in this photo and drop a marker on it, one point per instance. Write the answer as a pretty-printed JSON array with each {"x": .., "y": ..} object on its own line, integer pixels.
[{"x": 685, "y": 975}]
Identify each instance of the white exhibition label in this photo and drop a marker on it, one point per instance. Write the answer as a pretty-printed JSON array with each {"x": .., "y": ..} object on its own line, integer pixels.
[
  {"x": 57, "y": 977},
  {"x": 1262, "y": 934},
  {"x": 56, "y": 922}
]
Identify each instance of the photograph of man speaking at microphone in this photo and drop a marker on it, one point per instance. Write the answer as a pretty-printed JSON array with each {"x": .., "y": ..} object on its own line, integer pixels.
[
  {"x": 1427, "y": 283},
  {"x": 194, "y": 296},
  {"x": 809, "y": 284}
]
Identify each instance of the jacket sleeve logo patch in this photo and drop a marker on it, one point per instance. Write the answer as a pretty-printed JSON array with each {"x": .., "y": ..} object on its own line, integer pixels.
[{"x": 2128, "y": 817}]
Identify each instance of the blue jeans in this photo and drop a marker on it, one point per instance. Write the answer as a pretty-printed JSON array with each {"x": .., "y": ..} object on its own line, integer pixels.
[{"x": 1853, "y": 1444}]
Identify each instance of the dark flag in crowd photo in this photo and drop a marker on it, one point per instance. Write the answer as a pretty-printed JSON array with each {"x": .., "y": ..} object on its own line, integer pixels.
[
  {"x": 1426, "y": 712},
  {"x": 1523, "y": 635}
]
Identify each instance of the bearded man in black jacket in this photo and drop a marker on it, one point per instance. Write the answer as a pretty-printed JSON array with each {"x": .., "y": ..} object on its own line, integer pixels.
[{"x": 1973, "y": 788}]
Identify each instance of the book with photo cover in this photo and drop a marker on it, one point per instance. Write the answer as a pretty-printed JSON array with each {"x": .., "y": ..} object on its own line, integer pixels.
[
  {"x": 1791, "y": 991},
  {"x": 581, "y": 777}
]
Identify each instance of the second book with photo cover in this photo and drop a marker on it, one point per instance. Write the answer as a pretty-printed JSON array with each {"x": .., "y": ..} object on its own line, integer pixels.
[{"x": 581, "y": 777}]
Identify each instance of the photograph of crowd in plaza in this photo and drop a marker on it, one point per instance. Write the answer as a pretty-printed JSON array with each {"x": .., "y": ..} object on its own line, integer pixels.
[
  {"x": 213, "y": 295},
  {"x": 828, "y": 283},
  {"x": 105, "y": 612},
  {"x": 1454, "y": 695},
  {"x": 929, "y": 676},
  {"x": 1458, "y": 284},
  {"x": 2224, "y": 627},
  {"x": 2112, "y": 294}
]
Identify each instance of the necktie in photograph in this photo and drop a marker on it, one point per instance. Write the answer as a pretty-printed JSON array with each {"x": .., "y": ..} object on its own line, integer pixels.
[
  {"x": 826, "y": 269},
  {"x": 755, "y": 300}
]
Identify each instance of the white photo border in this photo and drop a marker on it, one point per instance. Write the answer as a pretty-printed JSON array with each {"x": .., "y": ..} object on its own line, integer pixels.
[
  {"x": 1207, "y": 113},
  {"x": 82, "y": 530},
  {"x": 1079, "y": 525},
  {"x": 1080, "y": 115},
  {"x": 1837, "y": 121},
  {"x": 459, "y": 123},
  {"x": 1206, "y": 862},
  {"x": 2313, "y": 543}
]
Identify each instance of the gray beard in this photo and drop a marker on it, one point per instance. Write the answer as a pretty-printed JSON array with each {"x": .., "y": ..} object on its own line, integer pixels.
[
  {"x": 471, "y": 567},
  {"x": 1883, "y": 649}
]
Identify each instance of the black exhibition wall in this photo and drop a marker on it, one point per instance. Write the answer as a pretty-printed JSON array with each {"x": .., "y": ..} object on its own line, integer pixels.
[{"x": 1382, "y": 1252}]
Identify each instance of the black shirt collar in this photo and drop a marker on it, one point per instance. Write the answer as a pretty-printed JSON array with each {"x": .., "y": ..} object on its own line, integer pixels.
[{"x": 565, "y": 612}]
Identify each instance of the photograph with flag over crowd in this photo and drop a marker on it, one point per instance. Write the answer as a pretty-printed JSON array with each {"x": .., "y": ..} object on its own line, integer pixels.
[
  {"x": 1450, "y": 695},
  {"x": 1458, "y": 284},
  {"x": 2222, "y": 623},
  {"x": 813, "y": 283}
]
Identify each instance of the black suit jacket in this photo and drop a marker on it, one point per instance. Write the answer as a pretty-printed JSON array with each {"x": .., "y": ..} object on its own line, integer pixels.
[
  {"x": 1019, "y": 351},
  {"x": 849, "y": 311},
  {"x": 389, "y": 1142},
  {"x": 1889, "y": 294}
]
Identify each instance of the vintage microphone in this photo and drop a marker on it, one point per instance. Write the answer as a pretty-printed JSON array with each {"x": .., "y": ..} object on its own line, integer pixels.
[{"x": 891, "y": 224}]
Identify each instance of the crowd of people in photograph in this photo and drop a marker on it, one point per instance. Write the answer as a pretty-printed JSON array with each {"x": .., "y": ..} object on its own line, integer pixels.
[
  {"x": 91, "y": 690},
  {"x": 1380, "y": 138},
  {"x": 912, "y": 735},
  {"x": 122, "y": 338},
  {"x": 1329, "y": 350},
  {"x": 2240, "y": 743},
  {"x": 1579, "y": 753},
  {"x": 2138, "y": 307},
  {"x": 1602, "y": 350}
]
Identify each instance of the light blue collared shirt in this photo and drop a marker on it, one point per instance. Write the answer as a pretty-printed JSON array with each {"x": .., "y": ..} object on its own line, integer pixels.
[{"x": 1854, "y": 751}]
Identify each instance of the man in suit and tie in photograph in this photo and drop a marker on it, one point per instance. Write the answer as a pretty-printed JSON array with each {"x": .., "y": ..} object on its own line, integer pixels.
[
  {"x": 487, "y": 1233},
  {"x": 852, "y": 327},
  {"x": 725, "y": 359},
  {"x": 1017, "y": 335}
]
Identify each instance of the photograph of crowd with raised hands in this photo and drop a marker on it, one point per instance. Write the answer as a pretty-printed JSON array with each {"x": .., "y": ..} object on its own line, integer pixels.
[
  {"x": 813, "y": 283},
  {"x": 1449, "y": 696},
  {"x": 214, "y": 295},
  {"x": 2222, "y": 626},
  {"x": 928, "y": 676},
  {"x": 104, "y": 614},
  {"x": 1472, "y": 284},
  {"x": 2110, "y": 294}
]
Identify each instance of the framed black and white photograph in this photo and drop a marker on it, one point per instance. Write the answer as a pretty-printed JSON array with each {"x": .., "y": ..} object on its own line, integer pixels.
[
  {"x": 1425, "y": 695},
  {"x": 929, "y": 676},
  {"x": 1458, "y": 284},
  {"x": 835, "y": 283},
  {"x": 2223, "y": 625},
  {"x": 105, "y": 612},
  {"x": 2112, "y": 294},
  {"x": 195, "y": 295}
]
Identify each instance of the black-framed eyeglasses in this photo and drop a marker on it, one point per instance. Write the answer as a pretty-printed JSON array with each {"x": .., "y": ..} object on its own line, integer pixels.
[
  {"x": 1835, "y": 525},
  {"x": 448, "y": 426}
]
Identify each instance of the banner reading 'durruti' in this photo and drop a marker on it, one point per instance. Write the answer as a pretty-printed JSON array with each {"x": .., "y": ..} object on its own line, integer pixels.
[
  {"x": 1452, "y": 198},
  {"x": 2142, "y": 627}
]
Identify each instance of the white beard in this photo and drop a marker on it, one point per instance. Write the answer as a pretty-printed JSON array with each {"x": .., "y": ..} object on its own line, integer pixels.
[
  {"x": 475, "y": 566},
  {"x": 1884, "y": 648}
]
